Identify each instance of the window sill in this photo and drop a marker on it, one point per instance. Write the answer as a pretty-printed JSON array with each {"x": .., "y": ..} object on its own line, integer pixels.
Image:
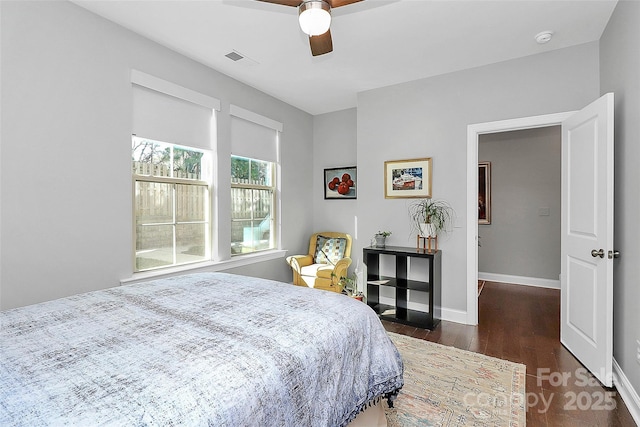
[{"x": 237, "y": 261}]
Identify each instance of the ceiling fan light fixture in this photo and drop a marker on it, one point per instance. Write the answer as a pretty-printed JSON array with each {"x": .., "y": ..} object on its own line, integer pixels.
[{"x": 314, "y": 17}]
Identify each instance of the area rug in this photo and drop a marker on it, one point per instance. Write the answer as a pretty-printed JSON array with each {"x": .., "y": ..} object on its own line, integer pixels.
[{"x": 447, "y": 387}]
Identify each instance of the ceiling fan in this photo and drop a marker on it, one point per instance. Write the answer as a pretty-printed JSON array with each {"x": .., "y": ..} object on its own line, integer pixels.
[{"x": 315, "y": 18}]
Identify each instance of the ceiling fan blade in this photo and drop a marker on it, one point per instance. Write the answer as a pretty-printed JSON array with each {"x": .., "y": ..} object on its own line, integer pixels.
[
  {"x": 293, "y": 3},
  {"x": 338, "y": 3},
  {"x": 321, "y": 44}
]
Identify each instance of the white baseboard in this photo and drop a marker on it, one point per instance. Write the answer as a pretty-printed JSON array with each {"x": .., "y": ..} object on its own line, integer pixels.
[
  {"x": 627, "y": 392},
  {"x": 451, "y": 315},
  {"x": 520, "y": 280}
]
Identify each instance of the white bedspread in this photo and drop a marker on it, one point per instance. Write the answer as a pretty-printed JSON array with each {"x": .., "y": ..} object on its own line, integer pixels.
[{"x": 202, "y": 349}]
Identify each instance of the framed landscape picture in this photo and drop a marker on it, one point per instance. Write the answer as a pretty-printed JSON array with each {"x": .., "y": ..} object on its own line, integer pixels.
[
  {"x": 407, "y": 178},
  {"x": 484, "y": 193},
  {"x": 340, "y": 183}
]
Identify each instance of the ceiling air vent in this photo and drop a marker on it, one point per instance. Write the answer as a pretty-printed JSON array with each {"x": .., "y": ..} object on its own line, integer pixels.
[{"x": 236, "y": 56}]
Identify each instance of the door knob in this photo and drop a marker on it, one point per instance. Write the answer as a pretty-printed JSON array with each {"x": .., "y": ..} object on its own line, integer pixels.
[
  {"x": 599, "y": 253},
  {"x": 614, "y": 254}
]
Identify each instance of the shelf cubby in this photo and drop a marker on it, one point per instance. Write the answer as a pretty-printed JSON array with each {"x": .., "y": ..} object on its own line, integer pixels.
[{"x": 399, "y": 312}]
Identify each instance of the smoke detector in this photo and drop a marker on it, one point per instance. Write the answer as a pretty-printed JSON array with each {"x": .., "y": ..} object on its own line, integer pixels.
[{"x": 544, "y": 37}]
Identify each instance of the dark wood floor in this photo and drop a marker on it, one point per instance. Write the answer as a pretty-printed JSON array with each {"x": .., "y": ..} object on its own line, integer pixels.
[{"x": 522, "y": 324}]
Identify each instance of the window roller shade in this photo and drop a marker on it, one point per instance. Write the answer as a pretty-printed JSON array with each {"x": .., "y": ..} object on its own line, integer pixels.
[
  {"x": 163, "y": 117},
  {"x": 249, "y": 139}
]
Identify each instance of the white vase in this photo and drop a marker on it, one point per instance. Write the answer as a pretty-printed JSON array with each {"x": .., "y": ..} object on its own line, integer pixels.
[{"x": 428, "y": 230}]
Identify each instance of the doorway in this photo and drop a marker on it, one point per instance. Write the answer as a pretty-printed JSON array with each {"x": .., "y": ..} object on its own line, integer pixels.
[
  {"x": 519, "y": 226},
  {"x": 473, "y": 135},
  {"x": 586, "y": 327}
]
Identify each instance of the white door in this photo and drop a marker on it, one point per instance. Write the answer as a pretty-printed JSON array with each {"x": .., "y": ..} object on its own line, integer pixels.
[{"x": 586, "y": 301}]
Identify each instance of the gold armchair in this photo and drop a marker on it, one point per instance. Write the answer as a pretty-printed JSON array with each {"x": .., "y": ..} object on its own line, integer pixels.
[{"x": 327, "y": 261}]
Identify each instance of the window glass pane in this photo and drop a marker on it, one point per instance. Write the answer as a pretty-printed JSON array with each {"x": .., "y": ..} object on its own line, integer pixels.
[
  {"x": 251, "y": 226},
  {"x": 239, "y": 170},
  {"x": 251, "y": 207},
  {"x": 240, "y": 203},
  {"x": 154, "y": 246},
  {"x": 237, "y": 236},
  {"x": 190, "y": 242},
  {"x": 260, "y": 172},
  {"x": 154, "y": 202},
  {"x": 150, "y": 157},
  {"x": 187, "y": 163},
  {"x": 191, "y": 202},
  {"x": 248, "y": 236},
  {"x": 261, "y": 203},
  {"x": 265, "y": 228},
  {"x": 260, "y": 233}
]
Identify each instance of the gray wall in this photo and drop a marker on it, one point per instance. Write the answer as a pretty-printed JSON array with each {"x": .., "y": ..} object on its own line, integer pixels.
[
  {"x": 525, "y": 177},
  {"x": 620, "y": 73},
  {"x": 429, "y": 118},
  {"x": 334, "y": 145},
  {"x": 65, "y": 169}
]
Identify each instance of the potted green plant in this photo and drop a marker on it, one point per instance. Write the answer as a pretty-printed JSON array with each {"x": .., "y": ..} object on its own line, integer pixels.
[
  {"x": 349, "y": 284},
  {"x": 381, "y": 238},
  {"x": 350, "y": 287},
  {"x": 430, "y": 217}
]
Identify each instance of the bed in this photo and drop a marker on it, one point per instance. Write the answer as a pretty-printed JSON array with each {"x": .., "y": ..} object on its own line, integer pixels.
[{"x": 201, "y": 349}]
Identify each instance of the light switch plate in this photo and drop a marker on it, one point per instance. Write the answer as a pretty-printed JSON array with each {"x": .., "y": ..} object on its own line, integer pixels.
[{"x": 543, "y": 211}]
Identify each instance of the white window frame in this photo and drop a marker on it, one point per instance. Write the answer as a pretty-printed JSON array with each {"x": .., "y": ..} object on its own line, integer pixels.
[{"x": 206, "y": 171}]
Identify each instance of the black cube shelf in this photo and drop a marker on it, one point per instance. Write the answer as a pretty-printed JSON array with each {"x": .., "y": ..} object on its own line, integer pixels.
[{"x": 399, "y": 312}]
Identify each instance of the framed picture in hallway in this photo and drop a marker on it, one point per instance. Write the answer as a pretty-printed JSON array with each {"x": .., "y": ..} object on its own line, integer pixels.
[
  {"x": 484, "y": 193},
  {"x": 407, "y": 178}
]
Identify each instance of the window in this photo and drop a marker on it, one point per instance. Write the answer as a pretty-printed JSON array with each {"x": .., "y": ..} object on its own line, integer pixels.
[
  {"x": 255, "y": 157},
  {"x": 171, "y": 206},
  {"x": 171, "y": 179},
  {"x": 252, "y": 201}
]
